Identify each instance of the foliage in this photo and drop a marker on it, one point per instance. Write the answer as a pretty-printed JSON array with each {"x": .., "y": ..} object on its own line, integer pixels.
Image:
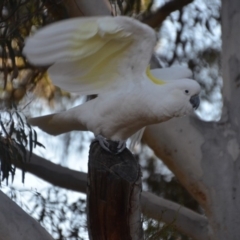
[
  {"x": 131, "y": 7},
  {"x": 15, "y": 137},
  {"x": 159, "y": 231},
  {"x": 19, "y": 19}
]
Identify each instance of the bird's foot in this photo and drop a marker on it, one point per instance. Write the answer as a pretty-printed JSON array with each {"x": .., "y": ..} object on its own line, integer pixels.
[
  {"x": 121, "y": 146},
  {"x": 102, "y": 141},
  {"x": 106, "y": 146}
]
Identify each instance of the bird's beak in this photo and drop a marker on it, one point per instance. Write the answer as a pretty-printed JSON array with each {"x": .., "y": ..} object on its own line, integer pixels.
[{"x": 195, "y": 101}]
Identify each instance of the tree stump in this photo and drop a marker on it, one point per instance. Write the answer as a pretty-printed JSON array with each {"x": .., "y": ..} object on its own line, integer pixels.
[{"x": 113, "y": 195}]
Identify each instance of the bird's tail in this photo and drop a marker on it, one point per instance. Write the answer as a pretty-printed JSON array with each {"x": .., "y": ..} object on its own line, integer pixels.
[{"x": 136, "y": 138}]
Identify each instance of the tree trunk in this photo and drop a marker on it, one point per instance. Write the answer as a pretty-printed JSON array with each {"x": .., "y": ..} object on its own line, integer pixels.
[
  {"x": 224, "y": 155},
  {"x": 15, "y": 224},
  {"x": 113, "y": 196}
]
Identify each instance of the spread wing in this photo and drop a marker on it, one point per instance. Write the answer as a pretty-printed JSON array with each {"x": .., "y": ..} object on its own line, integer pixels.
[
  {"x": 91, "y": 55},
  {"x": 59, "y": 123}
]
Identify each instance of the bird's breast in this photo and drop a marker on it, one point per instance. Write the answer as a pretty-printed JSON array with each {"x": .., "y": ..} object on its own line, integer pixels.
[{"x": 117, "y": 116}]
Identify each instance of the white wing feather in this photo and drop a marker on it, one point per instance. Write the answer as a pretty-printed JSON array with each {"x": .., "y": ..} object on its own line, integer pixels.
[
  {"x": 59, "y": 123},
  {"x": 91, "y": 55}
]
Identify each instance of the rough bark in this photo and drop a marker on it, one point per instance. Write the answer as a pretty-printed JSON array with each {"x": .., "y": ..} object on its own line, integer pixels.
[
  {"x": 15, "y": 224},
  {"x": 113, "y": 196}
]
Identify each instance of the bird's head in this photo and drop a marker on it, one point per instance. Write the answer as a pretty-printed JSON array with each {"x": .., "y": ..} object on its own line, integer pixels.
[
  {"x": 183, "y": 92},
  {"x": 183, "y": 96}
]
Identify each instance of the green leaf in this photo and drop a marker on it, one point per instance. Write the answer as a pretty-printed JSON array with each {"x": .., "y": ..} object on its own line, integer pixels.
[
  {"x": 20, "y": 119},
  {"x": 30, "y": 144},
  {"x": 35, "y": 137},
  {"x": 4, "y": 129},
  {"x": 11, "y": 130}
]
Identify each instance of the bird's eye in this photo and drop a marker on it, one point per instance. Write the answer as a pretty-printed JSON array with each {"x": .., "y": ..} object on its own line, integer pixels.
[{"x": 186, "y": 91}]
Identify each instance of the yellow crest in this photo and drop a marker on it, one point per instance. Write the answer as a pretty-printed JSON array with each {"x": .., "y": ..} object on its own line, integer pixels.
[{"x": 152, "y": 78}]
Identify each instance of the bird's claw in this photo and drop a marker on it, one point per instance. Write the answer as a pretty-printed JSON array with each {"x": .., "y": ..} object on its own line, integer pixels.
[
  {"x": 105, "y": 144},
  {"x": 102, "y": 141},
  {"x": 121, "y": 146}
]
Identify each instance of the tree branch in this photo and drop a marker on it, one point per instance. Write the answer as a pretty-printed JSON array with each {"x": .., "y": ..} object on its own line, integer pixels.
[
  {"x": 155, "y": 19},
  {"x": 77, "y": 8},
  {"x": 185, "y": 220},
  {"x": 178, "y": 143},
  {"x": 54, "y": 173},
  {"x": 16, "y": 224},
  {"x": 152, "y": 206}
]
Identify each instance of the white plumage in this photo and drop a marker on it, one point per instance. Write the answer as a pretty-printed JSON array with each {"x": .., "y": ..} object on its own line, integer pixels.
[{"x": 109, "y": 56}]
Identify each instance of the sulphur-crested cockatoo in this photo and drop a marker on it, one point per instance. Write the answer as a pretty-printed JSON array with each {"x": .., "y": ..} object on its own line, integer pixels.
[{"x": 109, "y": 56}]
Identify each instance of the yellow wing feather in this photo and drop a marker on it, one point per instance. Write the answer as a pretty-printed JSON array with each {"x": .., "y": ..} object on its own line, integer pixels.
[{"x": 90, "y": 55}]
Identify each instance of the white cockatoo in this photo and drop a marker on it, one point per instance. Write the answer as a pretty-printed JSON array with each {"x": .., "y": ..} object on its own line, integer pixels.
[{"x": 109, "y": 56}]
